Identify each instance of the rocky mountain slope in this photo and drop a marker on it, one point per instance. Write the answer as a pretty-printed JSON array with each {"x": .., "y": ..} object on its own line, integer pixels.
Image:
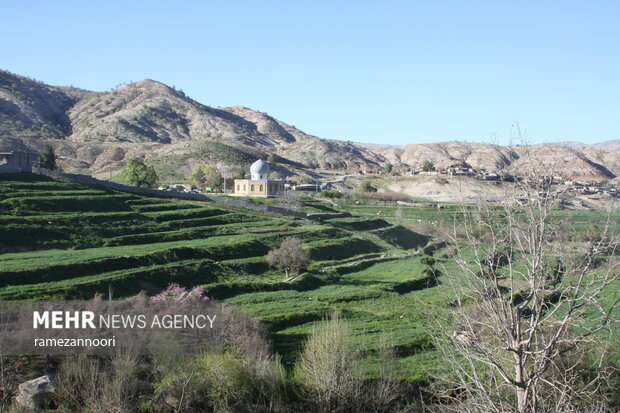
[
  {"x": 586, "y": 164},
  {"x": 446, "y": 154},
  {"x": 613, "y": 145},
  {"x": 98, "y": 130}
]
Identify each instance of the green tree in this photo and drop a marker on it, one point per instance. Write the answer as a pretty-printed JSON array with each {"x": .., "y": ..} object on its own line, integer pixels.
[
  {"x": 290, "y": 256},
  {"x": 275, "y": 175},
  {"x": 272, "y": 158},
  {"x": 366, "y": 186},
  {"x": 207, "y": 176},
  {"x": 138, "y": 173},
  {"x": 198, "y": 176},
  {"x": 428, "y": 166},
  {"x": 326, "y": 193},
  {"x": 47, "y": 158}
]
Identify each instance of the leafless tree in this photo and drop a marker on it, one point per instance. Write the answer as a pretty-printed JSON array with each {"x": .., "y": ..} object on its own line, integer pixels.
[
  {"x": 290, "y": 200},
  {"x": 227, "y": 172},
  {"x": 384, "y": 393},
  {"x": 291, "y": 256},
  {"x": 529, "y": 311},
  {"x": 399, "y": 215}
]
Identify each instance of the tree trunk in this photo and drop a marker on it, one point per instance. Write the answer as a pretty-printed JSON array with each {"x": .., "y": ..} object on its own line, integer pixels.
[
  {"x": 522, "y": 400},
  {"x": 522, "y": 390}
]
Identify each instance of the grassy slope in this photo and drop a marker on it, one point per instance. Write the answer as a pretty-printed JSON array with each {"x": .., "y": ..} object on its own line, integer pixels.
[
  {"x": 89, "y": 238},
  {"x": 79, "y": 240}
]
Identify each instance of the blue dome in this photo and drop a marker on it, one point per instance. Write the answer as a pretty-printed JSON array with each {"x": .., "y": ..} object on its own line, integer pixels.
[{"x": 260, "y": 167}]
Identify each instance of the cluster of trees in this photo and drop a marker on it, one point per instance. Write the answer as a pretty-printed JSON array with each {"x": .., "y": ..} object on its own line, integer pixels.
[
  {"x": 204, "y": 176},
  {"x": 215, "y": 177},
  {"x": 428, "y": 166},
  {"x": 138, "y": 173}
]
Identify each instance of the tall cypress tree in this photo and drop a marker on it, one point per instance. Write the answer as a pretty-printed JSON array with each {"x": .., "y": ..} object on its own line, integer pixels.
[{"x": 47, "y": 159}]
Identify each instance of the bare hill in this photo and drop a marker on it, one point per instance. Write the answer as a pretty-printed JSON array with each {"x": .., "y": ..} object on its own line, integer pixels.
[
  {"x": 559, "y": 160},
  {"x": 613, "y": 145},
  {"x": 446, "y": 154},
  {"x": 585, "y": 164},
  {"x": 98, "y": 130},
  {"x": 31, "y": 109}
]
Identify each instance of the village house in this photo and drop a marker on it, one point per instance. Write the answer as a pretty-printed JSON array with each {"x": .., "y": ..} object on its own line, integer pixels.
[
  {"x": 259, "y": 184},
  {"x": 12, "y": 161}
]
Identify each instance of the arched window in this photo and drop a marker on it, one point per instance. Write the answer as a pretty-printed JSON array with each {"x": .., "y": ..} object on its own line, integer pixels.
[
  {"x": 260, "y": 188},
  {"x": 244, "y": 187},
  {"x": 252, "y": 188},
  {"x": 238, "y": 187}
]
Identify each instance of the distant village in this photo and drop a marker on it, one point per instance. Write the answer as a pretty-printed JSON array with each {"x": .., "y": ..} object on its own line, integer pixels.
[{"x": 592, "y": 189}]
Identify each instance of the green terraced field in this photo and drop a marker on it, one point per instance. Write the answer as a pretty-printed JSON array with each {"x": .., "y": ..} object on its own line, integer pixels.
[
  {"x": 368, "y": 300},
  {"x": 61, "y": 240}
]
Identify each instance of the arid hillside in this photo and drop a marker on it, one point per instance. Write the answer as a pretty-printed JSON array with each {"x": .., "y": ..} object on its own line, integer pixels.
[
  {"x": 98, "y": 130},
  {"x": 95, "y": 132},
  {"x": 588, "y": 163}
]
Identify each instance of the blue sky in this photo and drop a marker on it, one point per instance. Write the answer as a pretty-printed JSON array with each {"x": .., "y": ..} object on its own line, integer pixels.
[{"x": 370, "y": 71}]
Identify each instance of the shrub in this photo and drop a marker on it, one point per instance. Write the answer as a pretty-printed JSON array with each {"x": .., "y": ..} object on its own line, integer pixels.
[
  {"x": 329, "y": 366},
  {"x": 90, "y": 384},
  {"x": 331, "y": 194},
  {"x": 367, "y": 186},
  {"x": 428, "y": 166},
  {"x": 225, "y": 380}
]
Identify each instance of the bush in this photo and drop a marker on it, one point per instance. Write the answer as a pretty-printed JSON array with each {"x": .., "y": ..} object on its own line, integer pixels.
[
  {"x": 428, "y": 166},
  {"x": 331, "y": 194},
  {"x": 225, "y": 380},
  {"x": 90, "y": 384},
  {"x": 329, "y": 367},
  {"x": 367, "y": 186}
]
